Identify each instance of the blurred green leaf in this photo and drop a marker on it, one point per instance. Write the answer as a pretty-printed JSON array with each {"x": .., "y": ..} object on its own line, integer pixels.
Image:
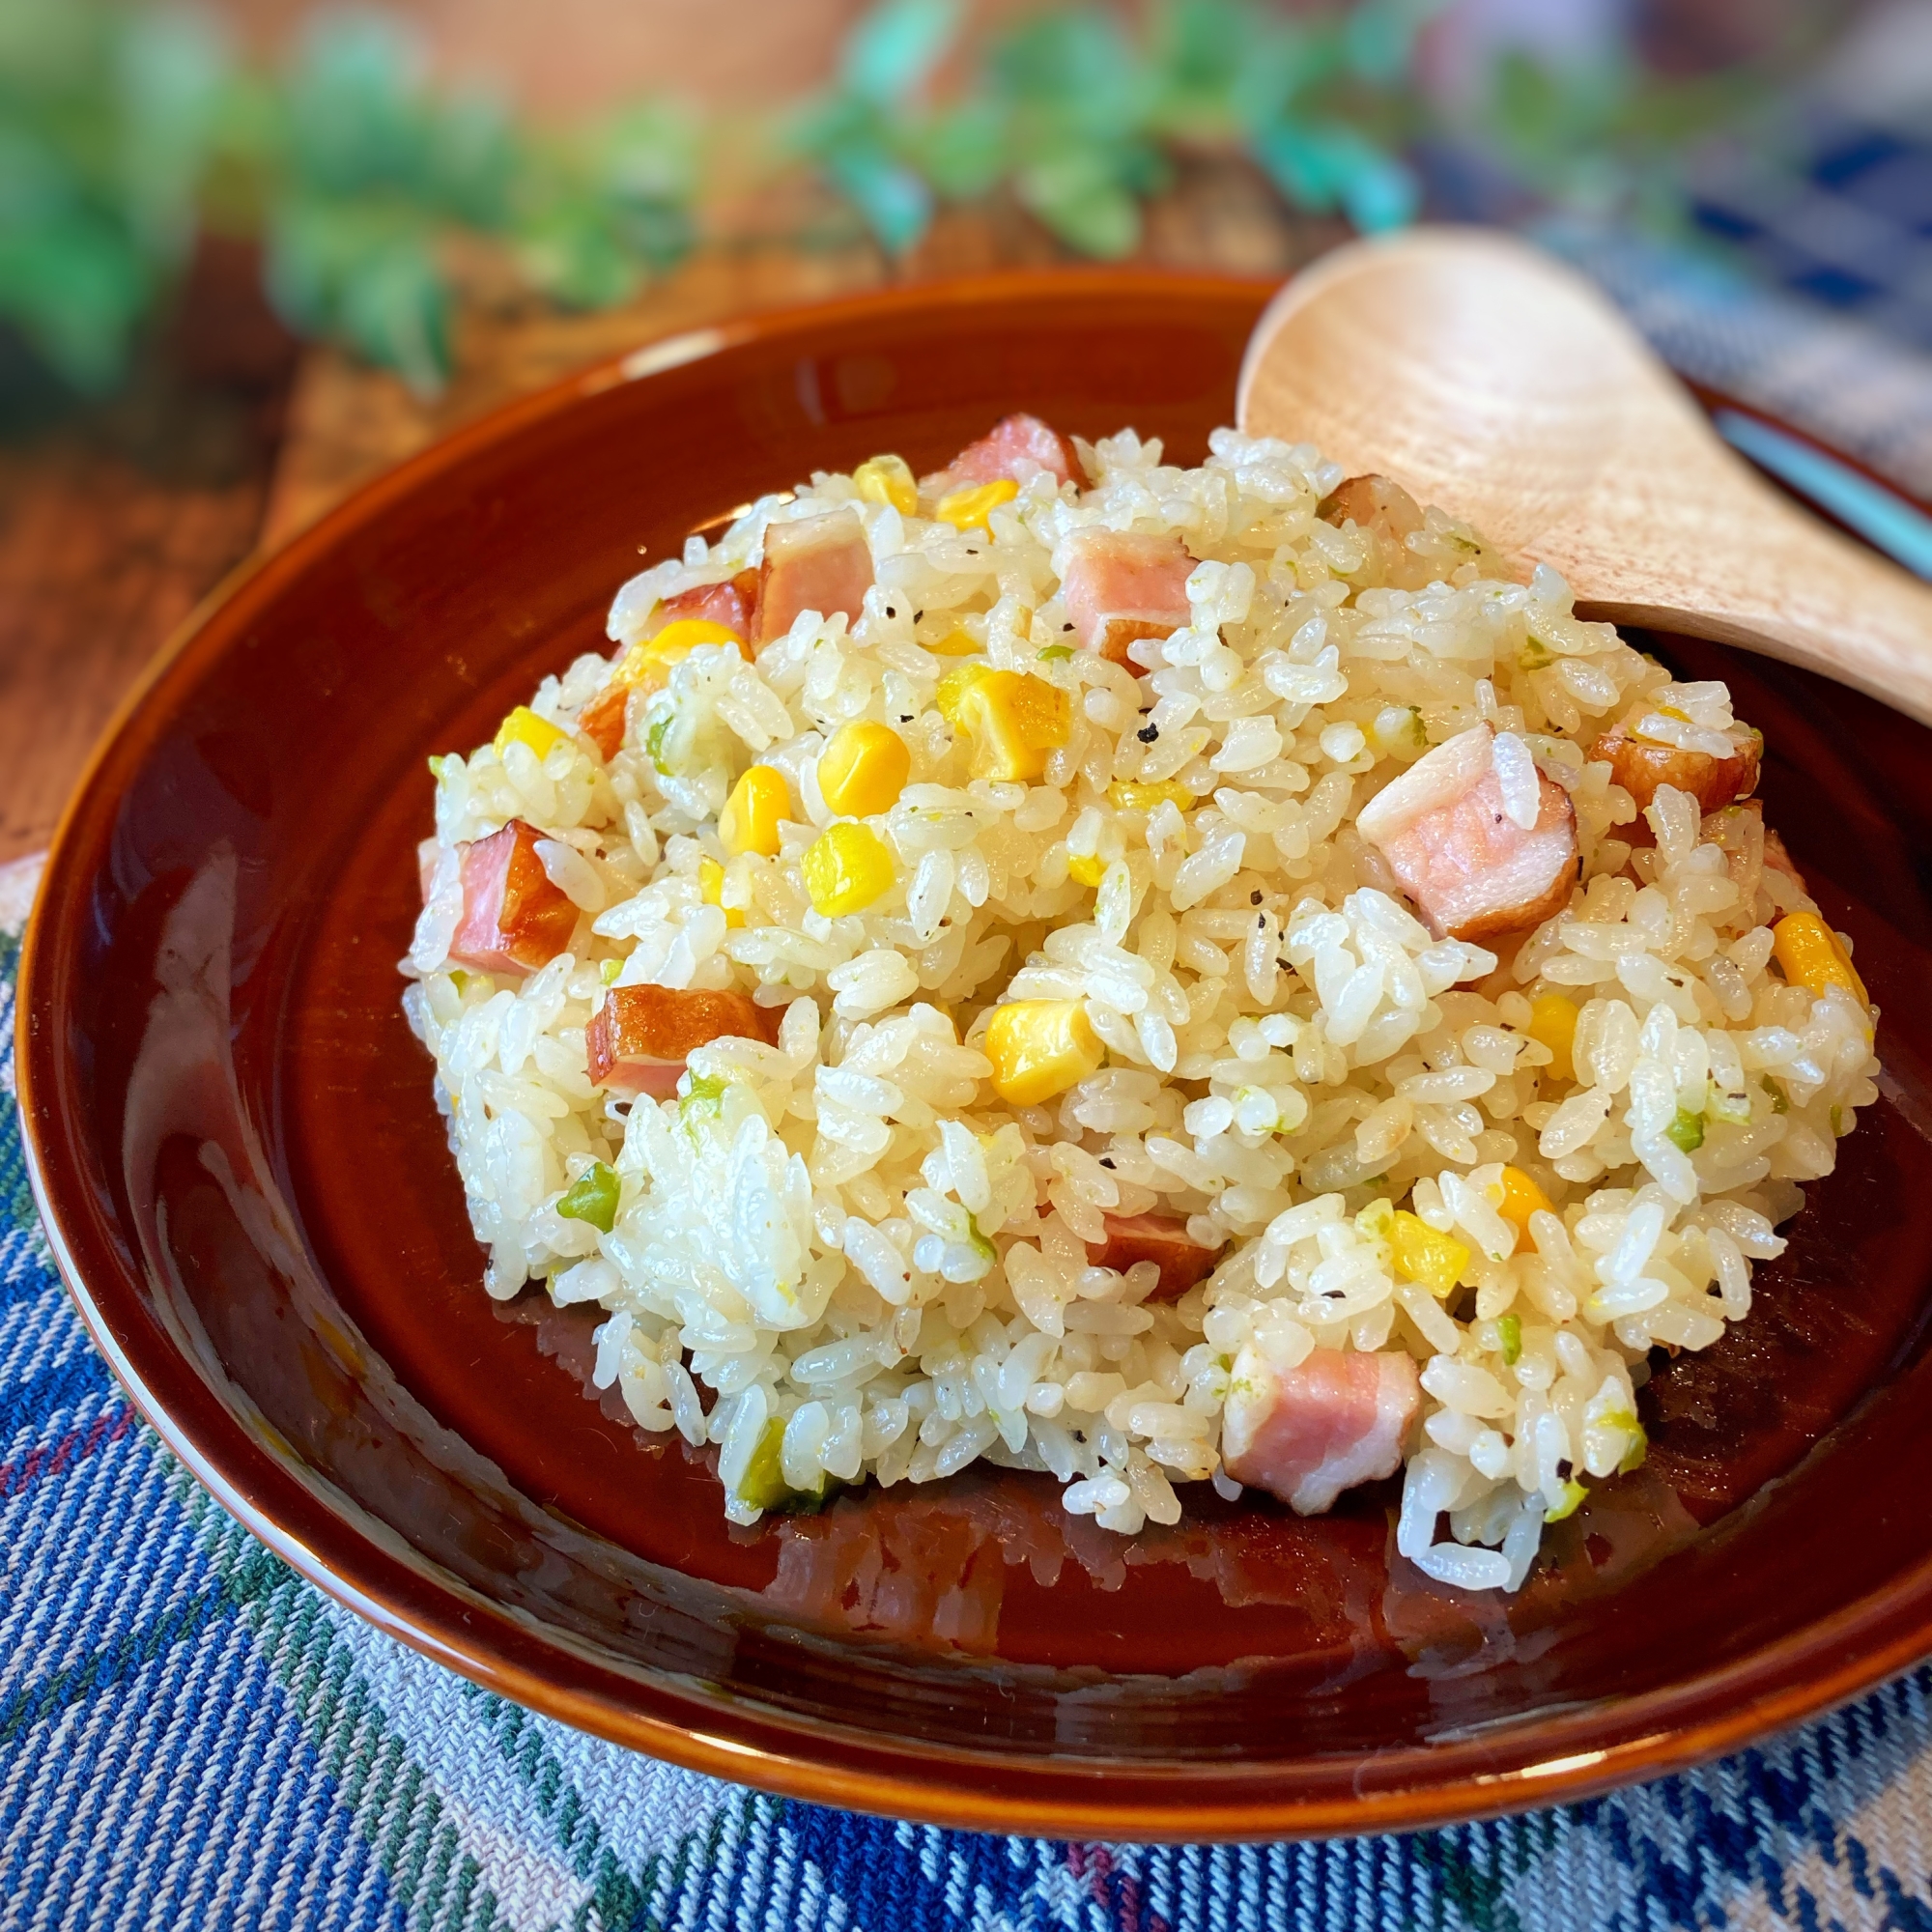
[
  {"x": 169, "y": 74},
  {"x": 893, "y": 50},
  {"x": 353, "y": 118},
  {"x": 126, "y": 123},
  {"x": 893, "y": 199},
  {"x": 1084, "y": 202},
  {"x": 76, "y": 287},
  {"x": 365, "y": 272},
  {"x": 1325, "y": 169},
  {"x": 962, "y": 151}
]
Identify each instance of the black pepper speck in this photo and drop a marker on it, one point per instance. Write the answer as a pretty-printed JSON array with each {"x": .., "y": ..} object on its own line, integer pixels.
[{"x": 1147, "y": 733}]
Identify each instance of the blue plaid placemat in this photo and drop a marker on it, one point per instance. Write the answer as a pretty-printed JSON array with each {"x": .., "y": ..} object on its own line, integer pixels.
[{"x": 191, "y": 1736}]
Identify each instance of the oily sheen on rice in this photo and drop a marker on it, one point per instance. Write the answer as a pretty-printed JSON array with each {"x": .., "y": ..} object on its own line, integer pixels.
[{"x": 879, "y": 1266}]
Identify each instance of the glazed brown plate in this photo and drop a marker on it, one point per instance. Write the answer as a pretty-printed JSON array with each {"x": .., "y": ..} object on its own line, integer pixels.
[{"x": 246, "y": 1185}]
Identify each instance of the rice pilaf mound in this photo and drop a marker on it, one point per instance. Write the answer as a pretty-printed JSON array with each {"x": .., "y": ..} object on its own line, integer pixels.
[{"x": 1145, "y": 973}]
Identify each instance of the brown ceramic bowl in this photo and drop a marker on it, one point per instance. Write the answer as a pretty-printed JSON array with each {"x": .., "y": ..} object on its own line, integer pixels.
[{"x": 247, "y": 1187}]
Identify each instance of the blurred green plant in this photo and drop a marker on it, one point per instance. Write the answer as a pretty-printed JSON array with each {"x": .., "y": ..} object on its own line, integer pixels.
[
  {"x": 1609, "y": 137},
  {"x": 126, "y": 126},
  {"x": 1078, "y": 118},
  {"x": 105, "y": 122}
]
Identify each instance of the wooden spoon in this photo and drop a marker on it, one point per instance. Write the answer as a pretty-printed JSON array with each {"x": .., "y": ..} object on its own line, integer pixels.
[{"x": 1488, "y": 379}]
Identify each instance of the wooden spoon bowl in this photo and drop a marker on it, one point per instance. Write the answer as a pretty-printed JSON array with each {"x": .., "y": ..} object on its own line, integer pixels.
[{"x": 1488, "y": 379}]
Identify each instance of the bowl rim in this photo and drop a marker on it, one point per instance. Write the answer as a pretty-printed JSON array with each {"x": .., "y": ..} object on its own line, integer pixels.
[{"x": 1577, "y": 1754}]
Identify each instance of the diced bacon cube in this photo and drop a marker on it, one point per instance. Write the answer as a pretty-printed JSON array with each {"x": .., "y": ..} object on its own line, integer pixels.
[
  {"x": 602, "y": 720},
  {"x": 1373, "y": 503},
  {"x": 1752, "y": 848},
  {"x": 1160, "y": 1238},
  {"x": 1118, "y": 586},
  {"x": 1307, "y": 1433},
  {"x": 1017, "y": 448},
  {"x": 730, "y": 604},
  {"x": 818, "y": 563},
  {"x": 1642, "y": 766},
  {"x": 1779, "y": 860},
  {"x": 638, "y": 1040},
  {"x": 1474, "y": 872},
  {"x": 514, "y": 919}
]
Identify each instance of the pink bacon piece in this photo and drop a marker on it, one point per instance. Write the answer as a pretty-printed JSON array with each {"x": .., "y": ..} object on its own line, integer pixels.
[
  {"x": 639, "y": 1039},
  {"x": 1016, "y": 449},
  {"x": 1474, "y": 872},
  {"x": 731, "y": 604},
  {"x": 818, "y": 563},
  {"x": 1118, "y": 586},
  {"x": 1160, "y": 1238},
  {"x": 1643, "y": 768},
  {"x": 1307, "y": 1433},
  {"x": 514, "y": 919}
]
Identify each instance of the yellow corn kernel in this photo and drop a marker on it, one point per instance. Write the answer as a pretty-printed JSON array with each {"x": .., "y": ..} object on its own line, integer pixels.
[
  {"x": 1128, "y": 797},
  {"x": 711, "y": 889},
  {"x": 951, "y": 697},
  {"x": 1809, "y": 951},
  {"x": 647, "y": 666},
  {"x": 1087, "y": 868},
  {"x": 522, "y": 727},
  {"x": 1520, "y": 1198},
  {"x": 1014, "y": 721},
  {"x": 863, "y": 770},
  {"x": 1421, "y": 1254},
  {"x": 969, "y": 509},
  {"x": 957, "y": 643},
  {"x": 750, "y": 816},
  {"x": 1039, "y": 1048},
  {"x": 888, "y": 479},
  {"x": 846, "y": 867},
  {"x": 1553, "y": 1020}
]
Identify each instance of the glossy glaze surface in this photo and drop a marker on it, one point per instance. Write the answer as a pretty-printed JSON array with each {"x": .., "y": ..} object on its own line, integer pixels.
[{"x": 246, "y": 1184}]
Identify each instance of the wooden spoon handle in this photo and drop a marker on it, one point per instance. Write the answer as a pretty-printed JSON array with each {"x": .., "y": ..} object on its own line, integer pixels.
[{"x": 1797, "y": 589}]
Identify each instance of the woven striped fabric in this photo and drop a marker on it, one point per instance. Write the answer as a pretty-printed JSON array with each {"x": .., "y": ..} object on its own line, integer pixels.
[{"x": 191, "y": 1736}]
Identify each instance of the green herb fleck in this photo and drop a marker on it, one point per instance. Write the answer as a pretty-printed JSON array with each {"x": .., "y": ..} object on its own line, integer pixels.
[
  {"x": 1838, "y": 1124},
  {"x": 1535, "y": 653},
  {"x": 1055, "y": 654},
  {"x": 1573, "y": 1494},
  {"x": 1509, "y": 1332},
  {"x": 982, "y": 1246},
  {"x": 763, "y": 1485},
  {"x": 1778, "y": 1103},
  {"x": 435, "y": 766},
  {"x": 592, "y": 1197},
  {"x": 608, "y": 969},
  {"x": 458, "y": 979},
  {"x": 701, "y": 1096},
  {"x": 1686, "y": 1130},
  {"x": 1418, "y": 732}
]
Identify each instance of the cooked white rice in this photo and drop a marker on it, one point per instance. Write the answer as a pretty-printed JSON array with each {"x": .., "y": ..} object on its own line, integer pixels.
[{"x": 843, "y": 1234}]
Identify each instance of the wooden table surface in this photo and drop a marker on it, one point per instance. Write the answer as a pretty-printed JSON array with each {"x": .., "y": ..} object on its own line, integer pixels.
[{"x": 116, "y": 521}]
